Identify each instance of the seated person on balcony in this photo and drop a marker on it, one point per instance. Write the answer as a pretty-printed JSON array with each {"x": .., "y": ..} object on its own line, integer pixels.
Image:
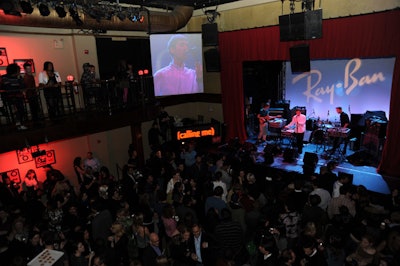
[{"x": 13, "y": 96}]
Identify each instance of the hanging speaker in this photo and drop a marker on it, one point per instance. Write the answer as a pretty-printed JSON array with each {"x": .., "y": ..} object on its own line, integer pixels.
[
  {"x": 211, "y": 57},
  {"x": 301, "y": 26},
  {"x": 210, "y": 34},
  {"x": 300, "y": 58}
]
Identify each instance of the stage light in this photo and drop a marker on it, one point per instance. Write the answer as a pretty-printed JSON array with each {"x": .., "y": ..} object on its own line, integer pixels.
[
  {"x": 9, "y": 8},
  {"x": 60, "y": 11},
  {"x": 146, "y": 71},
  {"x": 141, "y": 19},
  {"x": 26, "y": 7},
  {"x": 73, "y": 12},
  {"x": 121, "y": 16},
  {"x": 44, "y": 10},
  {"x": 70, "y": 78},
  {"x": 140, "y": 72}
]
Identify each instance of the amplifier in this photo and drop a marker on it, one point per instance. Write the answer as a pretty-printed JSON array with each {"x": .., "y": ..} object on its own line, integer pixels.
[{"x": 276, "y": 111}]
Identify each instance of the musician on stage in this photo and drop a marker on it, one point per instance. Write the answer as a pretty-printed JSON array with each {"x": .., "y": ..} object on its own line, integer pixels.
[
  {"x": 263, "y": 117},
  {"x": 344, "y": 123},
  {"x": 299, "y": 124}
]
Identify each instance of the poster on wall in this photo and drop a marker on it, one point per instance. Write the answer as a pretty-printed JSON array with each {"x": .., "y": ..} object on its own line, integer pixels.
[
  {"x": 24, "y": 156},
  {"x": 13, "y": 175},
  {"x": 46, "y": 159},
  {"x": 21, "y": 62},
  {"x": 3, "y": 57}
]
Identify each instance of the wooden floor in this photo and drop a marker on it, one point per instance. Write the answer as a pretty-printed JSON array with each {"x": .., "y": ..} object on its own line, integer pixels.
[{"x": 362, "y": 174}]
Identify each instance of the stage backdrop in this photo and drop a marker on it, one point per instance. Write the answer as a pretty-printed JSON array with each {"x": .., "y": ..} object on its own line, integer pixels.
[{"x": 357, "y": 85}]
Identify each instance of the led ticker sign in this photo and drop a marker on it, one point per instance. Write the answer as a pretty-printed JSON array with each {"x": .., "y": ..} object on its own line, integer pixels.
[{"x": 189, "y": 133}]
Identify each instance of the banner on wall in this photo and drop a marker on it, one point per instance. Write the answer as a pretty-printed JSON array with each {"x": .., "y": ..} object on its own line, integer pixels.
[{"x": 357, "y": 85}]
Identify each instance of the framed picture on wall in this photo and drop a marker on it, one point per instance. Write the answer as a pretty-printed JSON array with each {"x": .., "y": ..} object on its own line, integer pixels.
[
  {"x": 13, "y": 175},
  {"x": 24, "y": 156},
  {"x": 3, "y": 57},
  {"x": 21, "y": 63},
  {"x": 48, "y": 158}
]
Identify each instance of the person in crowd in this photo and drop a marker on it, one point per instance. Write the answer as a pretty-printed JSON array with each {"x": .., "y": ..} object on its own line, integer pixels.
[
  {"x": 230, "y": 236},
  {"x": 169, "y": 220},
  {"x": 152, "y": 251},
  {"x": 287, "y": 257},
  {"x": 291, "y": 219},
  {"x": 366, "y": 253},
  {"x": 118, "y": 242},
  {"x": 312, "y": 253},
  {"x": 323, "y": 194},
  {"x": 79, "y": 169},
  {"x": 31, "y": 92},
  {"x": 218, "y": 183},
  {"x": 342, "y": 180},
  {"x": 176, "y": 78},
  {"x": 92, "y": 162},
  {"x": 203, "y": 246},
  {"x": 9, "y": 192},
  {"x": 344, "y": 199},
  {"x": 50, "y": 81},
  {"x": 299, "y": 124},
  {"x": 12, "y": 84},
  {"x": 77, "y": 257},
  {"x": 267, "y": 252},
  {"x": 30, "y": 183},
  {"x": 180, "y": 248},
  {"x": 215, "y": 201}
]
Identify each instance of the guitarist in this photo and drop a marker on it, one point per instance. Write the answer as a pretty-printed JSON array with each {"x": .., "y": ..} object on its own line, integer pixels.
[{"x": 263, "y": 118}]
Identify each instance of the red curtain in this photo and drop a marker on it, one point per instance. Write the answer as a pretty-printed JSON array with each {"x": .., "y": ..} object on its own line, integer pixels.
[{"x": 366, "y": 36}]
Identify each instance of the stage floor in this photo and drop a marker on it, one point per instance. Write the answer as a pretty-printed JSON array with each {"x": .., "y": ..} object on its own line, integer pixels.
[{"x": 365, "y": 175}]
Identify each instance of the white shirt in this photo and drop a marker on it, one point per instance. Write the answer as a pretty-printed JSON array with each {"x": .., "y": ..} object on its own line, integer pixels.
[
  {"x": 324, "y": 195},
  {"x": 336, "y": 189},
  {"x": 43, "y": 78},
  {"x": 299, "y": 123}
]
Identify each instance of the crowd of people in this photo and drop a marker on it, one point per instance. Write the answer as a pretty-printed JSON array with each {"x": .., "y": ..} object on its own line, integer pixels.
[{"x": 188, "y": 206}]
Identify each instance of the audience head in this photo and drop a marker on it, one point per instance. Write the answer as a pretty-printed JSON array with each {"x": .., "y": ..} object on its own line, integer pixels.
[
  {"x": 218, "y": 191},
  {"x": 154, "y": 240}
]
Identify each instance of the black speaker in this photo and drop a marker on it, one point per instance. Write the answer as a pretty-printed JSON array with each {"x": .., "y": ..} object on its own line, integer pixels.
[
  {"x": 289, "y": 155},
  {"x": 310, "y": 159},
  {"x": 313, "y": 24},
  {"x": 301, "y": 26},
  {"x": 291, "y": 27},
  {"x": 211, "y": 57},
  {"x": 210, "y": 34},
  {"x": 300, "y": 58}
]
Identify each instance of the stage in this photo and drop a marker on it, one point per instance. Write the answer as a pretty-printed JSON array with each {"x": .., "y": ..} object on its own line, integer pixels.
[{"x": 365, "y": 175}]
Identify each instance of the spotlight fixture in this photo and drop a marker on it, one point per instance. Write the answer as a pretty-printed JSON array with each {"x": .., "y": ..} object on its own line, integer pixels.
[
  {"x": 44, "y": 9},
  {"x": 60, "y": 10},
  {"x": 121, "y": 15},
  {"x": 73, "y": 12},
  {"x": 26, "y": 7},
  {"x": 135, "y": 16},
  {"x": 9, "y": 8}
]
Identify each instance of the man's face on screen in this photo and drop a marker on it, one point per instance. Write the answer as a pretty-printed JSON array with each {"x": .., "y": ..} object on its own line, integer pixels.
[{"x": 180, "y": 50}]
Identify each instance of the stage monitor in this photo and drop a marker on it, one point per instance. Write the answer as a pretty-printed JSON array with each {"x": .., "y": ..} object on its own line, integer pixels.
[{"x": 176, "y": 61}]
